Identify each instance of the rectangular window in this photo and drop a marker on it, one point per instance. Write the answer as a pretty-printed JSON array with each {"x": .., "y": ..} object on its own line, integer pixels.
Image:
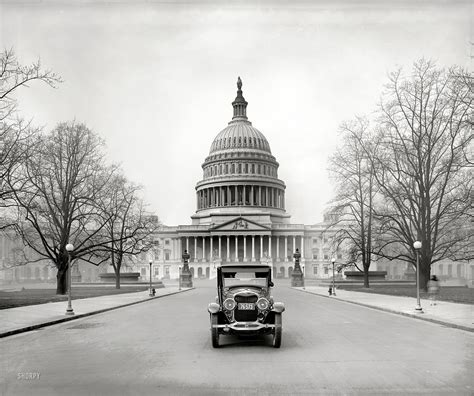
[
  {"x": 325, "y": 270},
  {"x": 315, "y": 241},
  {"x": 167, "y": 242},
  {"x": 315, "y": 270},
  {"x": 315, "y": 256},
  {"x": 167, "y": 269},
  {"x": 167, "y": 255},
  {"x": 339, "y": 256},
  {"x": 157, "y": 271},
  {"x": 143, "y": 271},
  {"x": 326, "y": 256}
]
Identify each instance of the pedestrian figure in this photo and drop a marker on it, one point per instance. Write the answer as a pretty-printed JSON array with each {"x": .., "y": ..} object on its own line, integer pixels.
[
  {"x": 330, "y": 291},
  {"x": 433, "y": 289}
]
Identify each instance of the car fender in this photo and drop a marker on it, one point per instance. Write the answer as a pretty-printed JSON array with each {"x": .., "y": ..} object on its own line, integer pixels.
[
  {"x": 213, "y": 308},
  {"x": 278, "y": 307}
]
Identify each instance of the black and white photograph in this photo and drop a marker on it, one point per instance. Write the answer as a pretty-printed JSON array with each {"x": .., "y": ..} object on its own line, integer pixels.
[{"x": 236, "y": 197}]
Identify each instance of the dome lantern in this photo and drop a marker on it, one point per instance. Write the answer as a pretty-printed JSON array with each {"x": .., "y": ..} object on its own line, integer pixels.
[{"x": 239, "y": 104}]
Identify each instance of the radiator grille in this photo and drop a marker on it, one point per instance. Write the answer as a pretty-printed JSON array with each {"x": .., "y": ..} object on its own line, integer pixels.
[{"x": 246, "y": 315}]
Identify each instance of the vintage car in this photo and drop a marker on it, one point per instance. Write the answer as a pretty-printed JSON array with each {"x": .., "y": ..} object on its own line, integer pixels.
[{"x": 244, "y": 305}]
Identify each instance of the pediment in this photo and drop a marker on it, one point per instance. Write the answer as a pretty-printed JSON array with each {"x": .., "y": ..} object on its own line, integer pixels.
[{"x": 240, "y": 224}]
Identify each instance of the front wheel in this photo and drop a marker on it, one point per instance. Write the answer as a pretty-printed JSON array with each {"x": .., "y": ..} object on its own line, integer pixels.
[
  {"x": 277, "y": 331},
  {"x": 214, "y": 331}
]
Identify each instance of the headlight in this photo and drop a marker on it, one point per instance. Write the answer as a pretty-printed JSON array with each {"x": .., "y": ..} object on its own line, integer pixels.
[
  {"x": 262, "y": 304},
  {"x": 229, "y": 304},
  {"x": 213, "y": 308}
]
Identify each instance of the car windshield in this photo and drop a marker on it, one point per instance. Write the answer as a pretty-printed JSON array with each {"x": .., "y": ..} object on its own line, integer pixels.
[
  {"x": 239, "y": 278},
  {"x": 230, "y": 282}
]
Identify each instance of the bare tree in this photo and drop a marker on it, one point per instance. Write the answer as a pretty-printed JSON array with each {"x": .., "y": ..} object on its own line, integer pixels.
[
  {"x": 422, "y": 164},
  {"x": 14, "y": 132},
  {"x": 354, "y": 174},
  {"x": 57, "y": 188},
  {"x": 129, "y": 227}
]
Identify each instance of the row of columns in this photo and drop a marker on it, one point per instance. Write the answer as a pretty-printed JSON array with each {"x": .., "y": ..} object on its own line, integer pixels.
[
  {"x": 249, "y": 252},
  {"x": 241, "y": 195}
]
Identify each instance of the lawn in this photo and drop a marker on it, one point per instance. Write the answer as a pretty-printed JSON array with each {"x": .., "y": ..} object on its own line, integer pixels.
[
  {"x": 12, "y": 299},
  {"x": 463, "y": 295}
]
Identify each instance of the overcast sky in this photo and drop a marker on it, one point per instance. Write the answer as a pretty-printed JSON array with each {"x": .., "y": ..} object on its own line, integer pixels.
[{"x": 156, "y": 79}]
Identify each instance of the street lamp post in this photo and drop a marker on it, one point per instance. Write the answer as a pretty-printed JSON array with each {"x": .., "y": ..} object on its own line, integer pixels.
[
  {"x": 333, "y": 260},
  {"x": 151, "y": 287},
  {"x": 179, "y": 278},
  {"x": 417, "y": 246},
  {"x": 69, "y": 310}
]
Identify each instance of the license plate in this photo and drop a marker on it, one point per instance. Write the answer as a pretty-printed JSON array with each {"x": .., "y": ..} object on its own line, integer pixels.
[{"x": 246, "y": 306}]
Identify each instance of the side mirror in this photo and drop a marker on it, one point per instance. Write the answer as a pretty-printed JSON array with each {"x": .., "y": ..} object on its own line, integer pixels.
[{"x": 270, "y": 284}]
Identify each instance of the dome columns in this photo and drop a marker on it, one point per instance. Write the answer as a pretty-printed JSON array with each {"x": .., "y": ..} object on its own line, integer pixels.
[{"x": 241, "y": 195}]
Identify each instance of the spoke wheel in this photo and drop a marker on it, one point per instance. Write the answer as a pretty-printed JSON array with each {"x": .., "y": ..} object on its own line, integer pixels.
[
  {"x": 277, "y": 331},
  {"x": 214, "y": 331}
]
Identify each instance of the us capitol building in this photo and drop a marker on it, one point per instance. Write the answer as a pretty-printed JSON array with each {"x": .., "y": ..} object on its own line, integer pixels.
[
  {"x": 240, "y": 212},
  {"x": 240, "y": 217}
]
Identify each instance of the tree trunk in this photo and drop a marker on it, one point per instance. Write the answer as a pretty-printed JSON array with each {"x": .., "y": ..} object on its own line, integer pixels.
[
  {"x": 61, "y": 280},
  {"x": 117, "y": 278},
  {"x": 425, "y": 273},
  {"x": 366, "y": 277}
]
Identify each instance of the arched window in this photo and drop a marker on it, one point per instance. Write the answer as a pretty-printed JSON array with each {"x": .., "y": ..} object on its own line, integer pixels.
[
  {"x": 258, "y": 169},
  {"x": 245, "y": 141},
  {"x": 240, "y": 168},
  {"x": 226, "y": 169},
  {"x": 253, "y": 168},
  {"x": 232, "y": 168}
]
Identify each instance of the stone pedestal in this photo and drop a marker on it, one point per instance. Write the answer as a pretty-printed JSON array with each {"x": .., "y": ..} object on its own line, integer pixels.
[
  {"x": 297, "y": 278},
  {"x": 186, "y": 277}
]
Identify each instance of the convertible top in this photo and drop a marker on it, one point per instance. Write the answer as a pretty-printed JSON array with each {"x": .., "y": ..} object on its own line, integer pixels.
[{"x": 245, "y": 268}]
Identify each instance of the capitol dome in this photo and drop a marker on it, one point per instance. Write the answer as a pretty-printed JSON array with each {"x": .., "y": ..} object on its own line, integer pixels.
[
  {"x": 240, "y": 135},
  {"x": 240, "y": 174}
]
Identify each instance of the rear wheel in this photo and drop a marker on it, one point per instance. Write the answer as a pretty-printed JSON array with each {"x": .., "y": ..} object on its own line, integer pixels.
[
  {"x": 277, "y": 331},
  {"x": 214, "y": 331}
]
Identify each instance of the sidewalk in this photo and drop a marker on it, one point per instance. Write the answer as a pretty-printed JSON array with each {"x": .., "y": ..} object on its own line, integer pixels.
[
  {"x": 31, "y": 317},
  {"x": 447, "y": 313}
]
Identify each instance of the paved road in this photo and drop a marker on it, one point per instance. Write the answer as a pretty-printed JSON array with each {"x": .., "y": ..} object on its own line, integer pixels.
[{"x": 162, "y": 347}]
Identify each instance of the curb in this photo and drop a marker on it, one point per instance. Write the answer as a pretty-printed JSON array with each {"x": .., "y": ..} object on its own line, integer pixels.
[
  {"x": 415, "y": 316},
  {"x": 79, "y": 316}
]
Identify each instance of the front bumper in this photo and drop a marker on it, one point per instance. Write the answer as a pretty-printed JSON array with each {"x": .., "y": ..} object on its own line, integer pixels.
[{"x": 244, "y": 326}]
